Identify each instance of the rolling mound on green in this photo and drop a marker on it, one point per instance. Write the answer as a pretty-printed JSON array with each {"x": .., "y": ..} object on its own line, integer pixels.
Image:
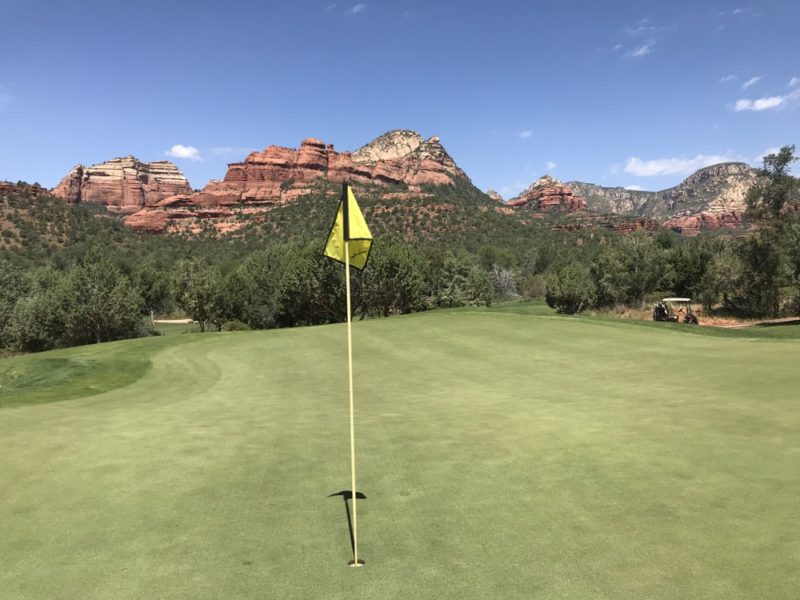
[{"x": 503, "y": 455}]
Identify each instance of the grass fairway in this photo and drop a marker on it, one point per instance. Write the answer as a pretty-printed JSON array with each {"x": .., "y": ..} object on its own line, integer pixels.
[{"x": 503, "y": 455}]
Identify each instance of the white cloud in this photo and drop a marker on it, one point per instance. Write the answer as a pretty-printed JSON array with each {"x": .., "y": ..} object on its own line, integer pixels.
[
  {"x": 330, "y": 7},
  {"x": 758, "y": 104},
  {"x": 357, "y": 8},
  {"x": 728, "y": 78},
  {"x": 644, "y": 27},
  {"x": 752, "y": 81},
  {"x": 634, "y": 188},
  {"x": 746, "y": 12},
  {"x": 525, "y": 134},
  {"x": 617, "y": 47},
  {"x": 550, "y": 165},
  {"x": 794, "y": 81},
  {"x": 642, "y": 50},
  {"x": 671, "y": 166},
  {"x": 187, "y": 152},
  {"x": 766, "y": 103}
]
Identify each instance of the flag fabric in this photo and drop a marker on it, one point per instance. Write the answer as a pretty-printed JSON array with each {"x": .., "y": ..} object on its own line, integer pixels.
[{"x": 349, "y": 226}]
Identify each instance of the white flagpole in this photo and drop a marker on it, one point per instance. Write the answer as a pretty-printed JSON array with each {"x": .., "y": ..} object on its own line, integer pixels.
[{"x": 355, "y": 562}]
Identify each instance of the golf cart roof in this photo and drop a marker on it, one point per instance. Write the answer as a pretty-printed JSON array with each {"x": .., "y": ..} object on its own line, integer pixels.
[{"x": 676, "y": 299}]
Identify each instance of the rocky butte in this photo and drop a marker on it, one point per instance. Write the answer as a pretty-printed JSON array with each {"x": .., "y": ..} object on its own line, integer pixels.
[
  {"x": 280, "y": 174},
  {"x": 549, "y": 194},
  {"x": 125, "y": 184},
  {"x": 400, "y": 160}
]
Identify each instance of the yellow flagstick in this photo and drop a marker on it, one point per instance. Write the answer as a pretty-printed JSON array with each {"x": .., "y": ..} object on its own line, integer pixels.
[
  {"x": 355, "y": 562},
  {"x": 350, "y": 226}
]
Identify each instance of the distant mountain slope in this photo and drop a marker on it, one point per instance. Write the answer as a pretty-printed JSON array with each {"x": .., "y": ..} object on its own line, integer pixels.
[{"x": 719, "y": 188}]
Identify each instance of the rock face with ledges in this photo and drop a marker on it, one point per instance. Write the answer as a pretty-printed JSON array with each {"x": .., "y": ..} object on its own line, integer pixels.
[
  {"x": 125, "y": 184},
  {"x": 401, "y": 161},
  {"x": 716, "y": 189},
  {"x": 549, "y": 194},
  {"x": 278, "y": 175}
]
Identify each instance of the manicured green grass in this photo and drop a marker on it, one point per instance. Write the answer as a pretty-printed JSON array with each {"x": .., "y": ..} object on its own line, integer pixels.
[{"x": 503, "y": 455}]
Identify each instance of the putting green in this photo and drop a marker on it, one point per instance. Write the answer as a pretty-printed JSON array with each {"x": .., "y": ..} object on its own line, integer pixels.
[{"x": 502, "y": 455}]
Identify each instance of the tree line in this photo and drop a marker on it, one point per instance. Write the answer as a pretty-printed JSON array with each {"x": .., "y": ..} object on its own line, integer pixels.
[{"x": 285, "y": 285}]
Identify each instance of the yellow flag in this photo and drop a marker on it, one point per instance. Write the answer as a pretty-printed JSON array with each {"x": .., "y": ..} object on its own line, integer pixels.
[{"x": 351, "y": 226}]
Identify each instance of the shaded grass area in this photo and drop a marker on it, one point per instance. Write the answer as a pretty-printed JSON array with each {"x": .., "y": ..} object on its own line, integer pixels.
[
  {"x": 502, "y": 455},
  {"x": 74, "y": 372}
]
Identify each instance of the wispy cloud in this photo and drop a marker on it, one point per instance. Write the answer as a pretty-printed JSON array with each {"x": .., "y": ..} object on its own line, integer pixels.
[
  {"x": 794, "y": 81},
  {"x": 671, "y": 166},
  {"x": 187, "y": 152},
  {"x": 550, "y": 165},
  {"x": 746, "y": 12},
  {"x": 357, "y": 8},
  {"x": 330, "y": 7},
  {"x": 644, "y": 27},
  {"x": 617, "y": 47},
  {"x": 643, "y": 50},
  {"x": 634, "y": 188},
  {"x": 751, "y": 82},
  {"x": 646, "y": 35},
  {"x": 727, "y": 78},
  {"x": 525, "y": 134},
  {"x": 767, "y": 102}
]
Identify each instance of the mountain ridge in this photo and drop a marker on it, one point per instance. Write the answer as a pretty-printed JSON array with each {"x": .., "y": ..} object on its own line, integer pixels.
[
  {"x": 716, "y": 188},
  {"x": 397, "y": 166}
]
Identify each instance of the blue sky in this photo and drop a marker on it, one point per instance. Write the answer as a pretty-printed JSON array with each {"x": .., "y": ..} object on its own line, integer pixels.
[{"x": 637, "y": 93}]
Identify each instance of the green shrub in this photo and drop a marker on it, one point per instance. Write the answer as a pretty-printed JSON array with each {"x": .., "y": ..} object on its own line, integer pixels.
[{"x": 571, "y": 290}]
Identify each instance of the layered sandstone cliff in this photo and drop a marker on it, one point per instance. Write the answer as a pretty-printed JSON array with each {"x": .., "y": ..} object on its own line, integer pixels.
[
  {"x": 401, "y": 162},
  {"x": 549, "y": 194},
  {"x": 278, "y": 174},
  {"x": 125, "y": 184}
]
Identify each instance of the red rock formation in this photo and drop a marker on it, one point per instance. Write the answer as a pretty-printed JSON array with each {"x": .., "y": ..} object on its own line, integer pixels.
[
  {"x": 31, "y": 190},
  {"x": 278, "y": 175},
  {"x": 549, "y": 194},
  {"x": 618, "y": 224},
  {"x": 124, "y": 184},
  {"x": 691, "y": 225}
]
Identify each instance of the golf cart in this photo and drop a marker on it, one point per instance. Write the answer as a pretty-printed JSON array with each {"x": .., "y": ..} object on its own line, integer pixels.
[{"x": 675, "y": 310}]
